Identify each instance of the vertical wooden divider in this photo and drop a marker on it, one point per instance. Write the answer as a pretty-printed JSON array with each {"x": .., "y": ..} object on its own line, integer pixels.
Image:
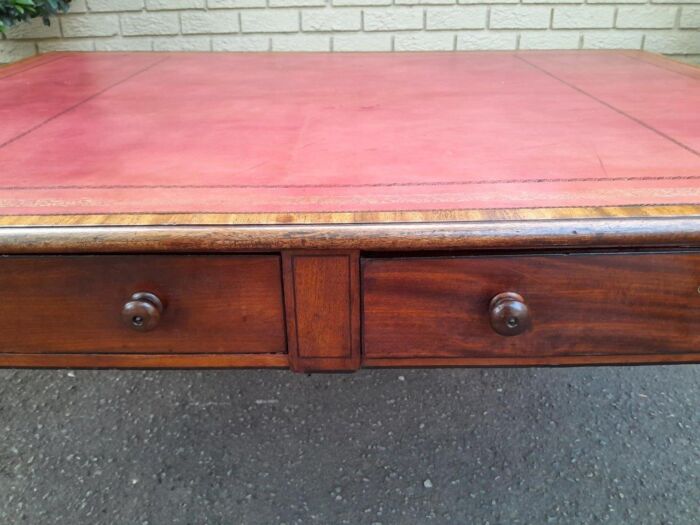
[{"x": 322, "y": 304}]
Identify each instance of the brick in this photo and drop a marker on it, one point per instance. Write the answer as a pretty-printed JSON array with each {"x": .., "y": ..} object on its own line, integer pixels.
[
  {"x": 424, "y": 2},
  {"x": 78, "y": 6},
  {"x": 617, "y": 1},
  {"x": 462, "y": 17},
  {"x": 188, "y": 43},
  {"x": 11, "y": 51},
  {"x": 342, "y": 3},
  {"x": 554, "y": 1},
  {"x": 424, "y": 42},
  {"x": 297, "y": 3},
  {"x": 550, "y": 40},
  {"x": 331, "y": 20},
  {"x": 681, "y": 42},
  {"x": 238, "y": 4},
  {"x": 362, "y": 42},
  {"x": 79, "y": 44},
  {"x": 203, "y": 22},
  {"x": 159, "y": 23},
  {"x": 241, "y": 43},
  {"x": 90, "y": 25},
  {"x": 34, "y": 29},
  {"x": 394, "y": 19},
  {"x": 171, "y": 5},
  {"x": 282, "y": 21},
  {"x": 135, "y": 43},
  {"x": 690, "y": 17},
  {"x": 112, "y": 6},
  {"x": 612, "y": 39},
  {"x": 301, "y": 43},
  {"x": 520, "y": 17},
  {"x": 688, "y": 59},
  {"x": 646, "y": 17},
  {"x": 588, "y": 17},
  {"x": 487, "y": 40},
  {"x": 487, "y": 1}
]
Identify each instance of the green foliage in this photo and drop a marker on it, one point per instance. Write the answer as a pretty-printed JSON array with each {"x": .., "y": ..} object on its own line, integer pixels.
[{"x": 13, "y": 11}]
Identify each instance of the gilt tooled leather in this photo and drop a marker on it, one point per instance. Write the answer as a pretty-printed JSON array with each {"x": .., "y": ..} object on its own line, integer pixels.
[{"x": 292, "y": 133}]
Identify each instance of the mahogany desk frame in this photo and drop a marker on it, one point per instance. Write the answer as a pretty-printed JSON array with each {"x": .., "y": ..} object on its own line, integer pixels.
[
  {"x": 330, "y": 251},
  {"x": 352, "y": 241}
]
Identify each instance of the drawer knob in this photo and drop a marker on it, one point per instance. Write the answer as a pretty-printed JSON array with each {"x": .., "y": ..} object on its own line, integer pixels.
[
  {"x": 142, "y": 312},
  {"x": 509, "y": 314}
]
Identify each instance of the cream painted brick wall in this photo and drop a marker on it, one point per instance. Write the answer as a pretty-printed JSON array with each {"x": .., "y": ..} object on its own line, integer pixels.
[
  {"x": 424, "y": 42},
  {"x": 520, "y": 17},
  {"x": 331, "y": 20},
  {"x": 583, "y": 17},
  {"x": 551, "y": 40},
  {"x": 393, "y": 19},
  {"x": 108, "y": 5},
  {"x": 462, "y": 17},
  {"x": 207, "y": 22},
  {"x": 363, "y": 42},
  {"x": 690, "y": 17},
  {"x": 272, "y": 21},
  {"x": 156, "y": 23},
  {"x": 76, "y": 26},
  {"x": 156, "y": 5},
  {"x": 647, "y": 17},
  {"x": 664, "y": 26}
]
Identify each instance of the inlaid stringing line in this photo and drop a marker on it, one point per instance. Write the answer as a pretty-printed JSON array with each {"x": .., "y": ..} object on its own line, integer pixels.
[{"x": 610, "y": 106}]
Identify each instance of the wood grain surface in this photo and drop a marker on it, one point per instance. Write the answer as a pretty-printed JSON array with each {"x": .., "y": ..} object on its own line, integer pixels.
[
  {"x": 92, "y": 360},
  {"x": 322, "y": 297},
  {"x": 674, "y": 232},
  {"x": 580, "y": 305},
  {"x": 352, "y": 217},
  {"x": 73, "y": 304},
  {"x": 559, "y": 360}
]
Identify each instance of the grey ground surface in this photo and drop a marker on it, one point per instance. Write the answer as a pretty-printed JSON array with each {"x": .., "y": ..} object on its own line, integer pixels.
[{"x": 531, "y": 446}]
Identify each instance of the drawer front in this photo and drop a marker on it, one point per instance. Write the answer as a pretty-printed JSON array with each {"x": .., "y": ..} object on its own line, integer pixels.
[
  {"x": 210, "y": 304},
  {"x": 612, "y": 304}
]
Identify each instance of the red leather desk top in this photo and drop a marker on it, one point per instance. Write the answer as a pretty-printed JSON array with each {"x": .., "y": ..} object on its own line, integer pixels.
[{"x": 345, "y": 137}]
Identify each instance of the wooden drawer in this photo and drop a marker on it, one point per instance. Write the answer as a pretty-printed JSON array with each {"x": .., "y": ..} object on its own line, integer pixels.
[
  {"x": 73, "y": 304},
  {"x": 609, "y": 304}
]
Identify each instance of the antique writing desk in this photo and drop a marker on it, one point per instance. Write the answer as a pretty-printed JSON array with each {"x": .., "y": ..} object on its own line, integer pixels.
[{"x": 325, "y": 212}]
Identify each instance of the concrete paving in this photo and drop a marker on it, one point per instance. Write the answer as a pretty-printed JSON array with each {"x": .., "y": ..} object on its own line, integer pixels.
[{"x": 470, "y": 446}]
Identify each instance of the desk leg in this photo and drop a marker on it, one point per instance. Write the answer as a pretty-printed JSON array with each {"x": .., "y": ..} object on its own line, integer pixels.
[{"x": 322, "y": 303}]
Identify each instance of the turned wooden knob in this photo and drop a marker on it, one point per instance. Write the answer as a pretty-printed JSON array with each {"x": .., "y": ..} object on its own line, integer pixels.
[
  {"x": 142, "y": 312},
  {"x": 509, "y": 314}
]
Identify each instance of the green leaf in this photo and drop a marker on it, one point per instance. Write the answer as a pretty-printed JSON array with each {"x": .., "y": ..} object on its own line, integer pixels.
[{"x": 14, "y": 11}]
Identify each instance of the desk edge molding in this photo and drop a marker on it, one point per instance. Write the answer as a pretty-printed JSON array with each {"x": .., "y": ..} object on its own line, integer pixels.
[{"x": 676, "y": 232}]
